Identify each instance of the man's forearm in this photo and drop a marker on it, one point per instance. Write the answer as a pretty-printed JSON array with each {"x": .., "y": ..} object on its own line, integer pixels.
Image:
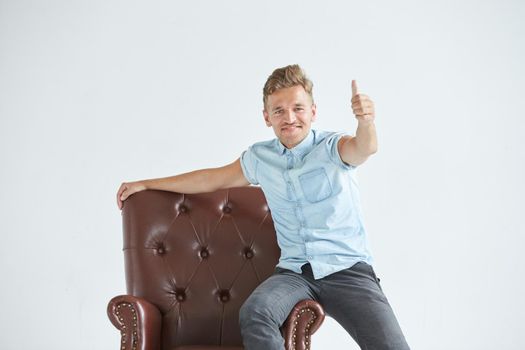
[
  {"x": 197, "y": 181},
  {"x": 366, "y": 137}
]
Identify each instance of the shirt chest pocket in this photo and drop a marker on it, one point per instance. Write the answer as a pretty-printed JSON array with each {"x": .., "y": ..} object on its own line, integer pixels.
[{"x": 315, "y": 185}]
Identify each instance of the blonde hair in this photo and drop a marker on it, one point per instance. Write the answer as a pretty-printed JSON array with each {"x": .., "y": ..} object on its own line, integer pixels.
[{"x": 286, "y": 77}]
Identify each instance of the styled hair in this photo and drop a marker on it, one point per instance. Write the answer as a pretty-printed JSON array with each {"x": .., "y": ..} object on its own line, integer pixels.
[{"x": 286, "y": 77}]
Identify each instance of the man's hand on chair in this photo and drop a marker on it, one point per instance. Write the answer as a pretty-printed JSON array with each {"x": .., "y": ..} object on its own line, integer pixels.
[{"x": 127, "y": 189}]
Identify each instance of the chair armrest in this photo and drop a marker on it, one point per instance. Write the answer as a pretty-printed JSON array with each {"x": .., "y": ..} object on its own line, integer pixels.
[
  {"x": 304, "y": 319},
  {"x": 138, "y": 320}
]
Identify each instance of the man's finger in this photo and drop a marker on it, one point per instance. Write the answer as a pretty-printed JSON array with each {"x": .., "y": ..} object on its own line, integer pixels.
[
  {"x": 354, "y": 88},
  {"x": 119, "y": 193},
  {"x": 365, "y": 103}
]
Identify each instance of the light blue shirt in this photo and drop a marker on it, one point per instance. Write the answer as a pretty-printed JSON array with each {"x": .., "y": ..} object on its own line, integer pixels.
[{"x": 314, "y": 201}]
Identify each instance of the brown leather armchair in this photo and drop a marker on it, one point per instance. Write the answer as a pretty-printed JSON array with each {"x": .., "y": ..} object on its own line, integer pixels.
[{"x": 191, "y": 261}]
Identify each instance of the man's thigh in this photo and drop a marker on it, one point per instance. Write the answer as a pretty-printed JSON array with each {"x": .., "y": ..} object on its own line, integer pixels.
[
  {"x": 354, "y": 298},
  {"x": 277, "y": 295}
]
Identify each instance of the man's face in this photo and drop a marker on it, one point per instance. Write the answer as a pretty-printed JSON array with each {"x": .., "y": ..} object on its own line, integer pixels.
[{"x": 290, "y": 112}]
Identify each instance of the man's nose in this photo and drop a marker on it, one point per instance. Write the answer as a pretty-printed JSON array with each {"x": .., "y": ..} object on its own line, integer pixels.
[{"x": 289, "y": 116}]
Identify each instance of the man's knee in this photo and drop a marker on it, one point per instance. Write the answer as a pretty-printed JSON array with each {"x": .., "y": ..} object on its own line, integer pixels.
[{"x": 254, "y": 308}]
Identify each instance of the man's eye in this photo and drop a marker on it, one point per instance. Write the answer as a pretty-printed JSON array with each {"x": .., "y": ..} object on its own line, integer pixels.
[
  {"x": 299, "y": 109},
  {"x": 277, "y": 112}
]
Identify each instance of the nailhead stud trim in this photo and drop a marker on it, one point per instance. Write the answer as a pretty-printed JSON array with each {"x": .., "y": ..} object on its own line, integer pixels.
[
  {"x": 123, "y": 327},
  {"x": 307, "y": 329}
]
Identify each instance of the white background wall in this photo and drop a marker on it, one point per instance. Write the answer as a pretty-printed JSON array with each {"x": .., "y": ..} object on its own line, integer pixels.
[{"x": 93, "y": 93}]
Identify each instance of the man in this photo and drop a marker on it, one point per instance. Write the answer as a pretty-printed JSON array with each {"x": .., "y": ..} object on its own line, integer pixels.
[{"x": 308, "y": 179}]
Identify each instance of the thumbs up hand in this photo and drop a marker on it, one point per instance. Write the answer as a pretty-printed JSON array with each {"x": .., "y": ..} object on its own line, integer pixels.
[{"x": 362, "y": 105}]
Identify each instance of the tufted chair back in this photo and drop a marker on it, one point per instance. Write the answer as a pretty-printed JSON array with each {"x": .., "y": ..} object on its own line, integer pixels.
[{"x": 197, "y": 257}]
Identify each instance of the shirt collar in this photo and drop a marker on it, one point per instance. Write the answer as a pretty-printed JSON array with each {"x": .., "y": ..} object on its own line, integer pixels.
[{"x": 301, "y": 148}]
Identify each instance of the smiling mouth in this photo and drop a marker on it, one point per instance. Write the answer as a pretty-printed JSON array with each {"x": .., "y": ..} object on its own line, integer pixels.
[{"x": 291, "y": 127}]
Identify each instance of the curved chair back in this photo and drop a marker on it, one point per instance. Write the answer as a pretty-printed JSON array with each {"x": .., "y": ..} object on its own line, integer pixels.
[{"x": 197, "y": 257}]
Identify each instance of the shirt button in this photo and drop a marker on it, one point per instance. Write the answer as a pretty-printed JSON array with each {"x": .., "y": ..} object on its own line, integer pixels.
[{"x": 310, "y": 257}]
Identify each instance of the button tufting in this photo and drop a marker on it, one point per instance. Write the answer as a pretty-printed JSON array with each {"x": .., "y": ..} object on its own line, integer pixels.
[
  {"x": 204, "y": 253},
  {"x": 224, "y": 295},
  {"x": 160, "y": 249},
  {"x": 248, "y": 253},
  {"x": 183, "y": 209},
  {"x": 227, "y": 209},
  {"x": 180, "y": 295}
]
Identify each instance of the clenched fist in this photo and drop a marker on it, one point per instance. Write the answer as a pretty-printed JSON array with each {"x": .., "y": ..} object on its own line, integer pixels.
[
  {"x": 127, "y": 189},
  {"x": 362, "y": 105}
]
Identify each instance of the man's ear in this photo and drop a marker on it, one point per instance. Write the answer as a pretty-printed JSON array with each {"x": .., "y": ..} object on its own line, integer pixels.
[
  {"x": 314, "y": 112},
  {"x": 266, "y": 118}
]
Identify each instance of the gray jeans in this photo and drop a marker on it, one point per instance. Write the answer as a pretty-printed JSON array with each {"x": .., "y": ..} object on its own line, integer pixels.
[{"x": 353, "y": 297}]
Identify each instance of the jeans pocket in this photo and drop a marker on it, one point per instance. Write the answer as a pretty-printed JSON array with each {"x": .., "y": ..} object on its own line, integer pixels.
[
  {"x": 368, "y": 270},
  {"x": 315, "y": 185},
  {"x": 375, "y": 276}
]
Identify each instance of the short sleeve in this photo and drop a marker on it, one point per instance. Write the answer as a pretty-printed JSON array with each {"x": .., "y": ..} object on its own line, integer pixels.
[
  {"x": 249, "y": 165},
  {"x": 333, "y": 152}
]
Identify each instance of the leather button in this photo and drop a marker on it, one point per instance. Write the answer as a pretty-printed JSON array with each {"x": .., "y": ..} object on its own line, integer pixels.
[
  {"x": 224, "y": 296},
  {"x": 180, "y": 295},
  {"x": 227, "y": 209},
  {"x": 204, "y": 253},
  {"x": 183, "y": 209},
  {"x": 248, "y": 253},
  {"x": 160, "y": 250}
]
